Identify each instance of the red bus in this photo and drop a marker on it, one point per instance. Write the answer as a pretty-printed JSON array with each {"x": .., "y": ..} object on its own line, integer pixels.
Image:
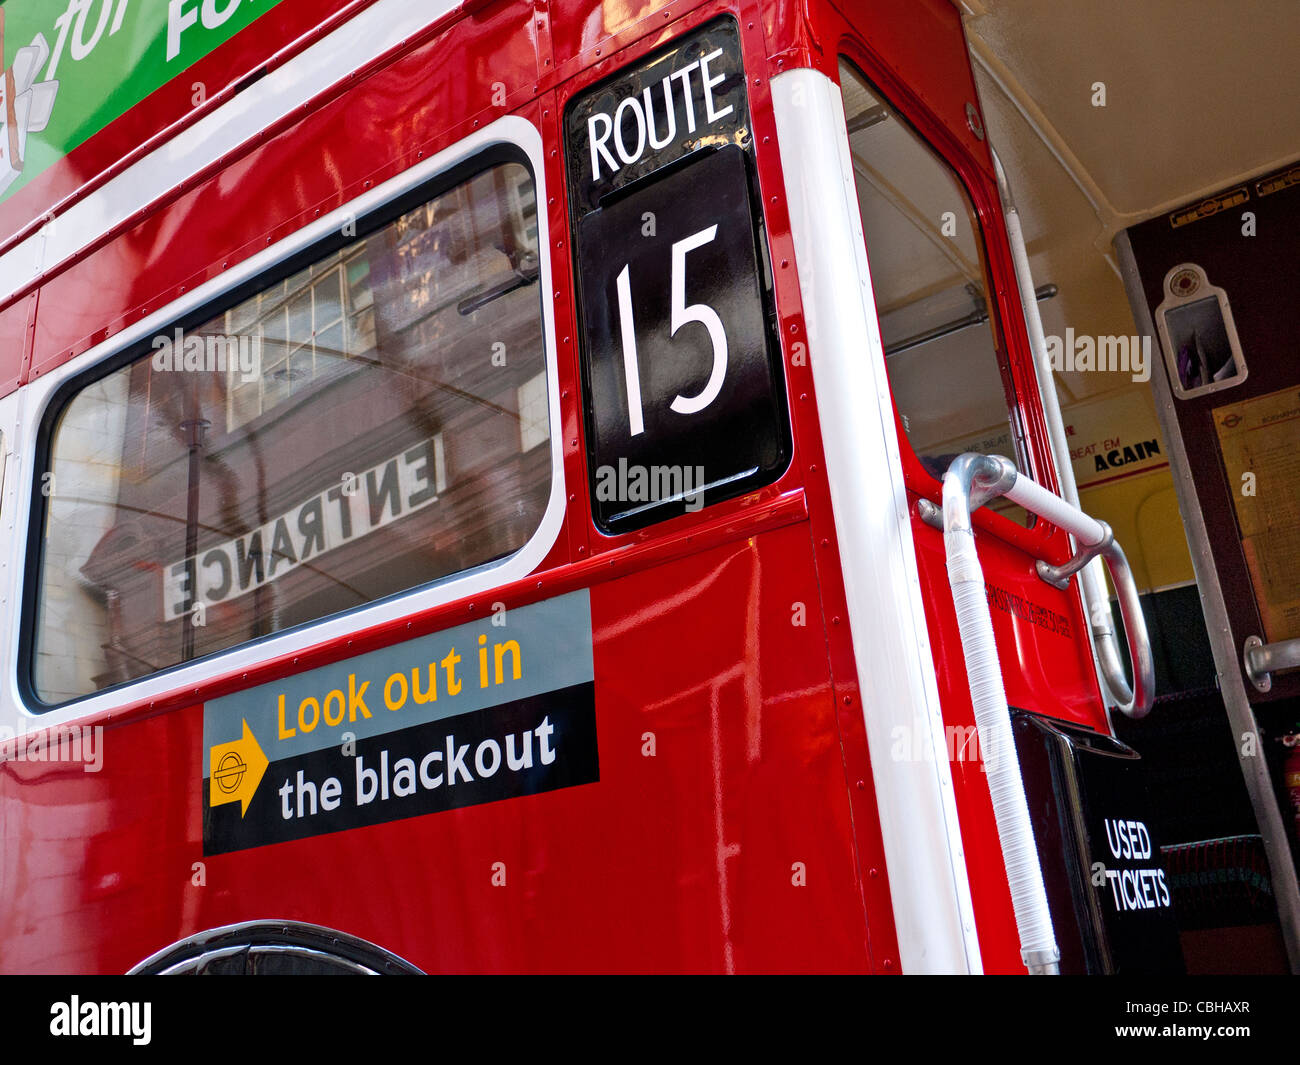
[{"x": 515, "y": 487}]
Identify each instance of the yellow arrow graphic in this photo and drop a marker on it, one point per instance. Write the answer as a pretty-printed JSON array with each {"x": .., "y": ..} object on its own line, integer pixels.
[{"x": 236, "y": 769}]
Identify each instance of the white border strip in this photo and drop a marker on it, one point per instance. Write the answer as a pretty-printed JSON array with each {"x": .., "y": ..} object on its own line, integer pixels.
[
  {"x": 928, "y": 881},
  {"x": 351, "y": 46},
  {"x": 35, "y": 398},
  {"x": 10, "y": 527}
]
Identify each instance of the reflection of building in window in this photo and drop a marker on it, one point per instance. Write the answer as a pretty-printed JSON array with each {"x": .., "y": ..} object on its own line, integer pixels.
[
  {"x": 304, "y": 329},
  {"x": 391, "y": 437},
  {"x": 473, "y": 240},
  {"x": 86, "y": 481},
  {"x": 534, "y": 418},
  {"x": 523, "y": 206}
]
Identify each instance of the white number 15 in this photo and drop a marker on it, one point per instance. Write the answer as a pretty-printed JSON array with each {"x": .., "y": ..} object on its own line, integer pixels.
[{"x": 681, "y": 315}]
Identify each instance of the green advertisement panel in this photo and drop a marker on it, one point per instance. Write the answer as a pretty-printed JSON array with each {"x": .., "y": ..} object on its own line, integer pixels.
[{"x": 73, "y": 66}]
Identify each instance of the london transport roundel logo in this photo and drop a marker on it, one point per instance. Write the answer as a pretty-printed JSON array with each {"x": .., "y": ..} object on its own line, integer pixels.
[
  {"x": 1184, "y": 283},
  {"x": 230, "y": 772}
]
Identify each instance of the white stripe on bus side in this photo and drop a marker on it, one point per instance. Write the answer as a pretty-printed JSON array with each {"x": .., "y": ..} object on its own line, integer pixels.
[{"x": 929, "y": 885}]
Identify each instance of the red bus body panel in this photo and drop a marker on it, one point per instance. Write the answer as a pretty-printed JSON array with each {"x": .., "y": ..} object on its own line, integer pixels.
[{"x": 748, "y": 840}]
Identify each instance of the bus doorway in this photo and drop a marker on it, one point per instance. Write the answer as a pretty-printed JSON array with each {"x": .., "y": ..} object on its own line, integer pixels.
[{"x": 1212, "y": 283}]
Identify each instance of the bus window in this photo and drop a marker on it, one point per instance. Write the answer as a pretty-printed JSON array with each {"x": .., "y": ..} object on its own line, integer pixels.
[
  {"x": 931, "y": 288},
  {"x": 375, "y": 421}
]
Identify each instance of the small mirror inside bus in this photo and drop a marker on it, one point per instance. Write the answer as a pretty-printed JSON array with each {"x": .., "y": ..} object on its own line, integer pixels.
[{"x": 1198, "y": 335}]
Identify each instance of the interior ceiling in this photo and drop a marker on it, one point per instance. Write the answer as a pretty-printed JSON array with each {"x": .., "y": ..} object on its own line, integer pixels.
[{"x": 1199, "y": 95}]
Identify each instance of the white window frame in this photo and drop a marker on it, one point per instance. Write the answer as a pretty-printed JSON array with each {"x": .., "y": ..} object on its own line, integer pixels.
[
  {"x": 36, "y": 397},
  {"x": 9, "y": 533}
]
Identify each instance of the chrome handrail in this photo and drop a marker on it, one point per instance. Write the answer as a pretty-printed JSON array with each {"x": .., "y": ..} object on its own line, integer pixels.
[
  {"x": 1262, "y": 660},
  {"x": 970, "y": 480},
  {"x": 999, "y": 477},
  {"x": 1135, "y": 702},
  {"x": 1092, "y": 585}
]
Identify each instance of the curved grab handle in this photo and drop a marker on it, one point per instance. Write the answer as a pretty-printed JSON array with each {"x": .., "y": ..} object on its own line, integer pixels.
[
  {"x": 1137, "y": 703},
  {"x": 998, "y": 476}
]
